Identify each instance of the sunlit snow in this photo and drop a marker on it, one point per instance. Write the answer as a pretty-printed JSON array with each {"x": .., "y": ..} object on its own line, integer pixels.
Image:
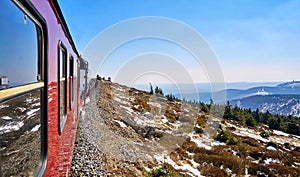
[
  {"x": 6, "y": 118},
  {"x": 35, "y": 128},
  {"x": 9, "y": 128}
]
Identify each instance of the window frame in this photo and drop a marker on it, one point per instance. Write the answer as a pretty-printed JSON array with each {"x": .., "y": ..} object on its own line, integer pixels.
[
  {"x": 71, "y": 81},
  {"x": 42, "y": 79},
  {"x": 64, "y": 78}
]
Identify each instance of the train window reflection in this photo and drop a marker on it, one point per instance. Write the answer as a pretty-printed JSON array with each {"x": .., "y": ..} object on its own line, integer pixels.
[
  {"x": 71, "y": 81},
  {"x": 18, "y": 47},
  {"x": 20, "y": 138},
  {"x": 62, "y": 84}
]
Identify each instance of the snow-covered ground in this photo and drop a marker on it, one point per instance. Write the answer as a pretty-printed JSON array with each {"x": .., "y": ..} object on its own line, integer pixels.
[
  {"x": 135, "y": 111},
  {"x": 11, "y": 127}
]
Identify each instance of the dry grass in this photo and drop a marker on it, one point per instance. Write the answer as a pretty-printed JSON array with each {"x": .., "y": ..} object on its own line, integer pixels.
[
  {"x": 173, "y": 111},
  {"x": 212, "y": 171},
  {"x": 233, "y": 163},
  {"x": 141, "y": 98},
  {"x": 202, "y": 119}
]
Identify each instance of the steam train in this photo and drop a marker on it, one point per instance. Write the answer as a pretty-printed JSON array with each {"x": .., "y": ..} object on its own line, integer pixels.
[{"x": 43, "y": 82}]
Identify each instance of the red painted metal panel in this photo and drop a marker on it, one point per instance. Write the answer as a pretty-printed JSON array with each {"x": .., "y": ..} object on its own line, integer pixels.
[{"x": 60, "y": 147}]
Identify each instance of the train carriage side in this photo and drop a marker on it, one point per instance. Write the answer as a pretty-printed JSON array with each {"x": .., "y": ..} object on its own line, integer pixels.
[{"x": 39, "y": 103}]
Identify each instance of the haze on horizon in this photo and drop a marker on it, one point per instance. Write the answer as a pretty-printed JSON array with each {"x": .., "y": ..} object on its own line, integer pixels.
[{"x": 254, "y": 41}]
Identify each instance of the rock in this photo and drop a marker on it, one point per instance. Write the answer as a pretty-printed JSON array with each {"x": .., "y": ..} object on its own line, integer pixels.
[
  {"x": 287, "y": 145},
  {"x": 271, "y": 144},
  {"x": 297, "y": 149}
]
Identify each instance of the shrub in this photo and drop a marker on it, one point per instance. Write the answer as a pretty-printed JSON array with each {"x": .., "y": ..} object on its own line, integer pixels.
[
  {"x": 254, "y": 168},
  {"x": 201, "y": 120},
  {"x": 226, "y": 136},
  {"x": 198, "y": 130},
  {"x": 213, "y": 171},
  {"x": 233, "y": 163},
  {"x": 250, "y": 141},
  {"x": 165, "y": 171},
  {"x": 250, "y": 121},
  {"x": 264, "y": 135},
  {"x": 192, "y": 147},
  {"x": 170, "y": 116}
]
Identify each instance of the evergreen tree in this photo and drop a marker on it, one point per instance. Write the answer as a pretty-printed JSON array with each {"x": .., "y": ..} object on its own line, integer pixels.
[
  {"x": 204, "y": 107},
  {"x": 228, "y": 112},
  {"x": 151, "y": 89},
  {"x": 158, "y": 91},
  {"x": 256, "y": 115},
  {"x": 265, "y": 117},
  {"x": 250, "y": 121}
]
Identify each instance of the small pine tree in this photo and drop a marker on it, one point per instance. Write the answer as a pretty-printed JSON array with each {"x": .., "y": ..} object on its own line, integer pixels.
[
  {"x": 158, "y": 91},
  {"x": 228, "y": 112},
  {"x": 151, "y": 89}
]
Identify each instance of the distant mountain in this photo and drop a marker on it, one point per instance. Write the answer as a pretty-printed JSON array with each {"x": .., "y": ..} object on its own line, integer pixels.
[
  {"x": 275, "y": 104},
  {"x": 283, "y": 99},
  {"x": 292, "y": 88},
  {"x": 285, "y": 88}
]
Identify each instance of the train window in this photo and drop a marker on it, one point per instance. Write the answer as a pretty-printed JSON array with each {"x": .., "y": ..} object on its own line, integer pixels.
[
  {"x": 62, "y": 55},
  {"x": 20, "y": 134},
  {"x": 19, "y": 50},
  {"x": 71, "y": 81},
  {"x": 21, "y": 91}
]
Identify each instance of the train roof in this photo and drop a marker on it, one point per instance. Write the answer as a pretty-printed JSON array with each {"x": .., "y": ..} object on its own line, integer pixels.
[{"x": 60, "y": 17}]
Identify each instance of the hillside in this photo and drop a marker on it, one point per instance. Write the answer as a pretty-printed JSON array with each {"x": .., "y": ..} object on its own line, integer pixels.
[
  {"x": 284, "y": 99},
  {"x": 288, "y": 88},
  {"x": 275, "y": 104},
  {"x": 127, "y": 132}
]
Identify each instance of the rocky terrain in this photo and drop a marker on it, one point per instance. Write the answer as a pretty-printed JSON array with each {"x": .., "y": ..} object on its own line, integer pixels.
[{"x": 127, "y": 132}]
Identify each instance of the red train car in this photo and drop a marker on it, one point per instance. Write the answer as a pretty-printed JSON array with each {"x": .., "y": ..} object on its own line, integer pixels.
[{"x": 39, "y": 97}]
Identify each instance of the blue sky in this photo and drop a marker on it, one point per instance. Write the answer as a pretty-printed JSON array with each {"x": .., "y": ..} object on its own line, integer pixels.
[
  {"x": 18, "y": 47},
  {"x": 253, "y": 40}
]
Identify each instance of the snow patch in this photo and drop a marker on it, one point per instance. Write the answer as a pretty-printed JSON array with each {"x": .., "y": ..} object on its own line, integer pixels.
[
  {"x": 200, "y": 143},
  {"x": 4, "y": 106},
  {"x": 6, "y": 118},
  {"x": 128, "y": 110},
  {"x": 271, "y": 148},
  {"x": 292, "y": 84},
  {"x": 29, "y": 100},
  {"x": 148, "y": 115},
  {"x": 159, "y": 158},
  {"x": 30, "y": 112},
  {"x": 9, "y": 128},
  {"x": 22, "y": 109},
  {"x": 164, "y": 119},
  {"x": 216, "y": 143},
  {"x": 262, "y": 92},
  {"x": 120, "y": 89},
  {"x": 195, "y": 164},
  {"x": 247, "y": 132},
  {"x": 280, "y": 133},
  {"x": 270, "y": 160},
  {"x": 154, "y": 104},
  {"x": 121, "y": 123},
  {"x": 121, "y": 101},
  {"x": 234, "y": 152},
  {"x": 35, "y": 128},
  {"x": 183, "y": 167}
]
